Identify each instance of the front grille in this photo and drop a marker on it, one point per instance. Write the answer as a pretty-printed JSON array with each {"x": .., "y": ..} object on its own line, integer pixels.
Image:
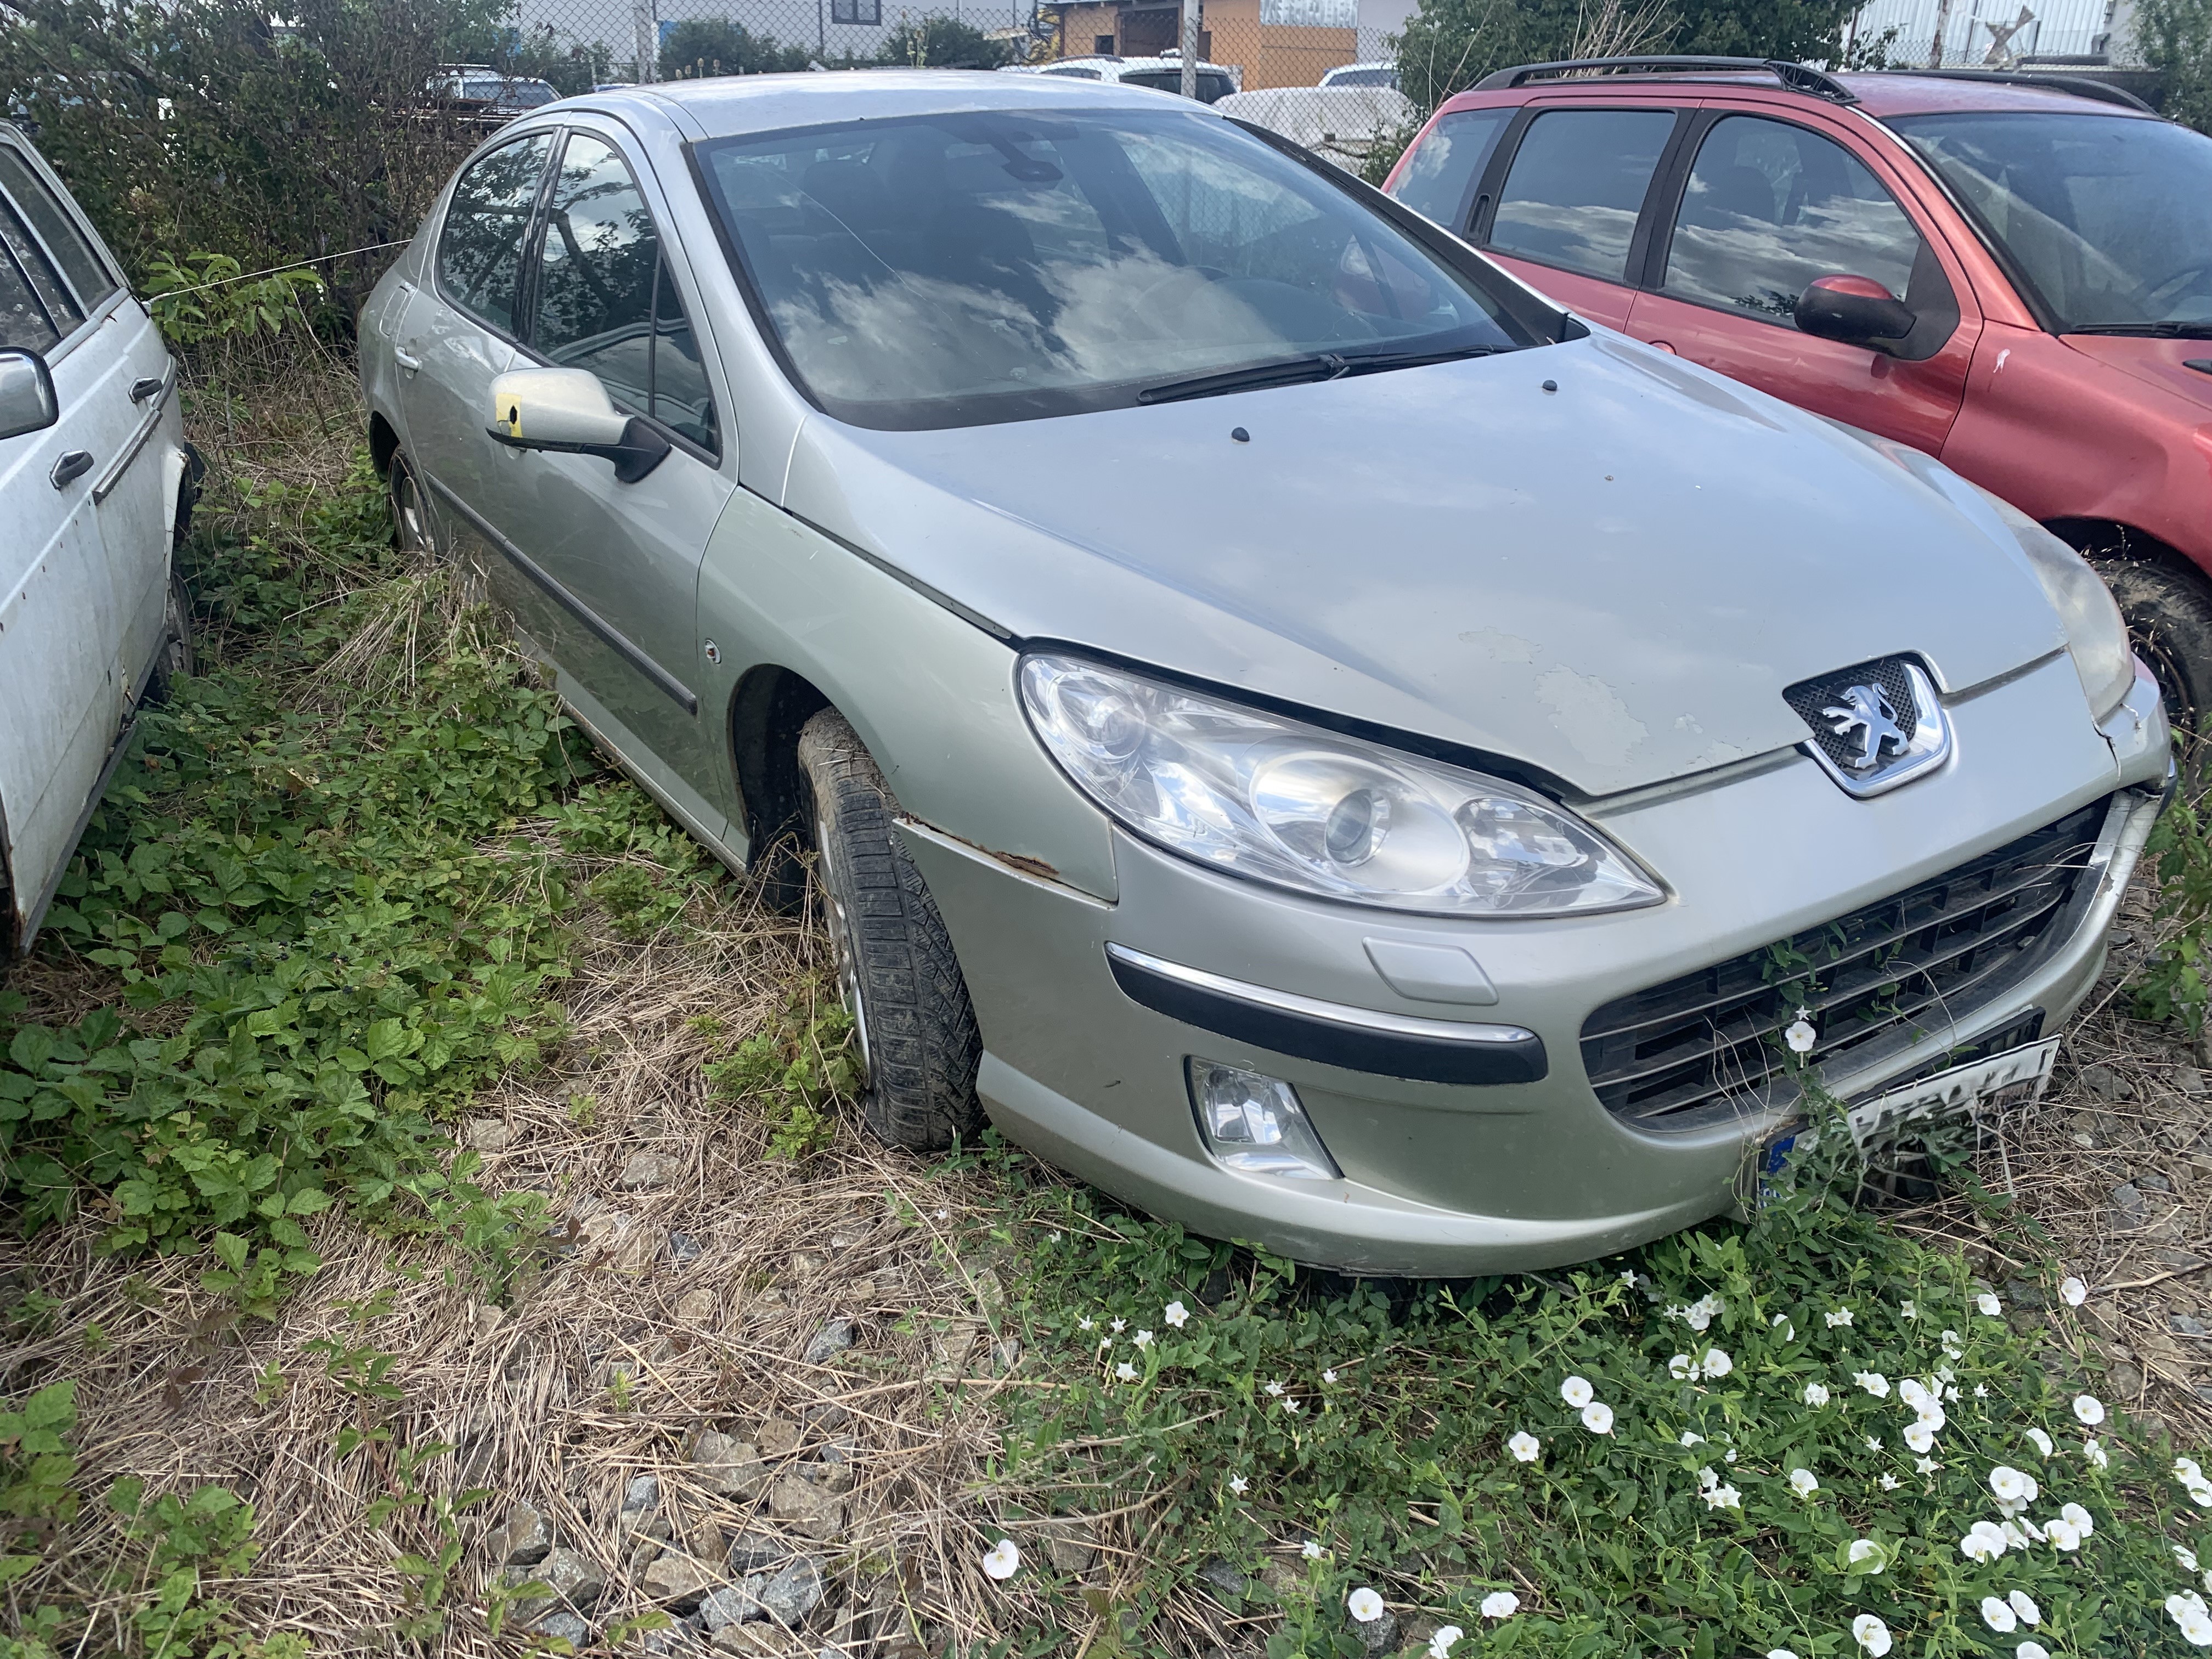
[{"x": 1711, "y": 1042}]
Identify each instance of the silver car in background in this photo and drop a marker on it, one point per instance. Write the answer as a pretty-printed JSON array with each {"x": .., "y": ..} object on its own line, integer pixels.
[
  {"x": 95, "y": 483},
  {"x": 1297, "y": 729}
]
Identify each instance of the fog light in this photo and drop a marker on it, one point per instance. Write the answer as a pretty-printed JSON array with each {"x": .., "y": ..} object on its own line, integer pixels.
[{"x": 1254, "y": 1123}]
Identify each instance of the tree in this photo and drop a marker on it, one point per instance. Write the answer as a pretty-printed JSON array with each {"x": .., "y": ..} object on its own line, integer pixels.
[
  {"x": 944, "y": 43},
  {"x": 715, "y": 45},
  {"x": 2175, "y": 36}
]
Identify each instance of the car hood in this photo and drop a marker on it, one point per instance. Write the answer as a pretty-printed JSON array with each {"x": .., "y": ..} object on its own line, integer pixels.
[
  {"x": 1611, "y": 583},
  {"x": 2162, "y": 364}
]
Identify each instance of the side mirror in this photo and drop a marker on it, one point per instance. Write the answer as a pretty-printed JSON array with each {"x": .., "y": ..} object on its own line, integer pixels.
[
  {"x": 1856, "y": 310},
  {"x": 566, "y": 410},
  {"x": 27, "y": 402}
]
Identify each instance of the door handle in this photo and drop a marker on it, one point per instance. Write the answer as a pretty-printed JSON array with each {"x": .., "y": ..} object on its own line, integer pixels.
[
  {"x": 410, "y": 364},
  {"x": 149, "y": 387},
  {"x": 71, "y": 467}
]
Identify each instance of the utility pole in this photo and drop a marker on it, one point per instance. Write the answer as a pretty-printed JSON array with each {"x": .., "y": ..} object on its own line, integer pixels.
[
  {"x": 1942, "y": 22},
  {"x": 647, "y": 48},
  {"x": 1190, "y": 88}
]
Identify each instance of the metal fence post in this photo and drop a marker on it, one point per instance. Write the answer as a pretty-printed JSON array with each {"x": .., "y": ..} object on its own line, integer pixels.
[
  {"x": 1189, "y": 59},
  {"x": 647, "y": 48}
]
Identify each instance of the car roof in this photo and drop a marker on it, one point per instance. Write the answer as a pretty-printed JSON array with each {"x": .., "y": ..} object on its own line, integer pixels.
[
  {"x": 736, "y": 105},
  {"x": 1878, "y": 92}
]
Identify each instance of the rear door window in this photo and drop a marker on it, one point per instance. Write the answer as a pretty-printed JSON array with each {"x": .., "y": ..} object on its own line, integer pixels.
[
  {"x": 1770, "y": 206},
  {"x": 1577, "y": 187},
  {"x": 23, "y": 319},
  {"x": 50, "y": 295},
  {"x": 480, "y": 250},
  {"x": 1439, "y": 177},
  {"x": 81, "y": 266}
]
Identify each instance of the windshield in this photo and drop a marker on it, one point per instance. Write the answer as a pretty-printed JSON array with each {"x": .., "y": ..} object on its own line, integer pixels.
[
  {"x": 950, "y": 271},
  {"x": 2108, "y": 217}
]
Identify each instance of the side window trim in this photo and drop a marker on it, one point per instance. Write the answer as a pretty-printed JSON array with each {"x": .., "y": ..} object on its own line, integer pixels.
[
  {"x": 433, "y": 264},
  {"x": 94, "y": 306},
  {"x": 1639, "y": 240},
  {"x": 533, "y": 251},
  {"x": 1681, "y": 160}
]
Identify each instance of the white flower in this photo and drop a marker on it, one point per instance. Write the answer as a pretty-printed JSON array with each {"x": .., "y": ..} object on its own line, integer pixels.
[
  {"x": 1682, "y": 1368},
  {"x": 1781, "y": 1322},
  {"x": 1002, "y": 1560},
  {"x": 1576, "y": 1391},
  {"x": 1126, "y": 1371},
  {"x": 1628, "y": 1275},
  {"x": 2042, "y": 1441},
  {"x": 2062, "y": 1535},
  {"x": 2187, "y": 1557},
  {"x": 1930, "y": 1414},
  {"x": 1717, "y": 1363},
  {"x": 1865, "y": 1549},
  {"x": 1816, "y": 1393},
  {"x": 1951, "y": 1394},
  {"x": 2031, "y": 1651},
  {"x": 1328, "y": 1375},
  {"x": 1907, "y": 1310},
  {"x": 1142, "y": 1338},
  {"x": 1312, "y": 1549},
  {"x": 1944, "y": 1374},
  {"x": 1707, "y": 1480},
  {"x": 1888, "y": 1483},
  {"x": 1927, "y": 1466},
  {"x": 1999, "y": 1616},
  {"x": 1780, "y": 1653},
  {"x": 1919, "y": 1437},
  {"x": 2095, "y": 1454},
  {"x": 1985, "y": 1541},
  {"x": 2072, "y": 1291},
  {"x": 1803, "y": 1482},
  {"x": 1086, "y": 1323},
  {"x": 1597, "y": 1417},
  {"x": 1981, "y": 1391},
  {"x": 1117, "y": 1325},
  {"x": 2010, "y": 1486},
  {"x": 1239, "y": 1484},
  {"x": 2089, "y": 1410},
  {"x": 1840, "y": 1316},
  {"x": 2189, "y": 1612},
  {"x": 1524, "y": 1446},
  {"x": 1293, "y": 1407},
  {"x": 1274, "y": 1388},
  {"x": 1692, "y": 1438},
  {"x": 1987, "y": 1305},
  {"x": 2024, "y": 1604},
  {"x": 1729, "y": 1457},
  {"x": 2078, "y": 1518},
  {"x": 1723, "y": 1498},
  {"x": 1871, "y": 1633},
  {"x": 1440, "y": 1645},
  {"x": 1913, "y": 1392},
  {"x": 1873, "y": 1442},
  {"x": 1874, "y": 1383},
  {"x": 1500, "y": 1604},
  {"x": 1364, "y": 1605},
  {"x": 1800, "y": 1037},
  {"x": 1176, "y": 1315}
]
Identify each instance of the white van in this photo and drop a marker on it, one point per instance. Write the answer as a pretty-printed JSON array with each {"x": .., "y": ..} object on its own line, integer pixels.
[{"x": 96, "y": 484}]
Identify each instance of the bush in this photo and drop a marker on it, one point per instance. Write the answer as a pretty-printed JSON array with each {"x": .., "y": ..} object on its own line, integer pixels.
[
  {"x": 2175, "y": 36},
  {"x": 944, "y": 43},
  {"x": 701, "y": 47}
]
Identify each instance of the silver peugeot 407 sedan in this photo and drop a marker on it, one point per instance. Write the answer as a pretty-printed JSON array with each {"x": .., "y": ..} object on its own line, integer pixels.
[{"x": 1296, "y": 729}]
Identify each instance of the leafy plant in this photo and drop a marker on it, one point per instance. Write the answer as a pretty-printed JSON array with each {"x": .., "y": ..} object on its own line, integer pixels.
[
  {"x": 209, "y": 297},
  {"x": 796, "y": 1071}
]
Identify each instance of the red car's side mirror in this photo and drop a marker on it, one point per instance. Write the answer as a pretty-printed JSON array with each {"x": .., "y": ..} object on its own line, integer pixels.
[{"x": 1856, "y": 310}]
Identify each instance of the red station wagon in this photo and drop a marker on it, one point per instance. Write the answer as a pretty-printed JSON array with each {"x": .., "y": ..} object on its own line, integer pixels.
[{"x": 2012, "y": 276}]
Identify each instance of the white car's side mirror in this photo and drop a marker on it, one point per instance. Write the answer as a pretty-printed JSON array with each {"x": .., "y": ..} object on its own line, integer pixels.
[
  {"x": 27, "y": 402},
  {"x": 566, "y": 410}
]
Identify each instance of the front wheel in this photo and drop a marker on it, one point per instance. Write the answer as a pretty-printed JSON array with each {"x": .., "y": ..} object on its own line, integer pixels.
[
  {"x": 2169, "y": 618},
  {"x": 411, "y": 521},
  {"x": 173, "y": 661},
  {"x": 912, "y": 1020}
]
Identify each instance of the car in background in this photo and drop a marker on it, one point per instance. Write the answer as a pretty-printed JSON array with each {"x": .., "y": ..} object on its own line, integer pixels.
[
  {"x": 1345, "y": 120},
  {"x": 1429, "y": 812},
  {"x": 97, "y": 485},
  {"x": 1383, "y": 74},
  {"x": 1162, "y": 74},
  {"x": 487, "y": 95},
  {"x": 2011, "y": 271}
]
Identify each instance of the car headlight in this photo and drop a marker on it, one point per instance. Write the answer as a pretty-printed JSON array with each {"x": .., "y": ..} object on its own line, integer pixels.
[
  {"x": 1280, "y": 801},
  {"x": 2096, "y": 635}
]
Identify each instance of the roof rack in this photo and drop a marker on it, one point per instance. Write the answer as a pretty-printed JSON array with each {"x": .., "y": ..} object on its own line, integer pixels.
[
  {"x": 2081, "y": 86},
  {"x": 1796, "y": 77}
]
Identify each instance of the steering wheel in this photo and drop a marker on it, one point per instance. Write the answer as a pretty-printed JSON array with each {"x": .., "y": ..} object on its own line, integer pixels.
[{"x": 2156, "y": 298}]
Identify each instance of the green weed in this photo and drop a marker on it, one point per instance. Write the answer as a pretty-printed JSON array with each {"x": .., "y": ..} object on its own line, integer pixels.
[{"x": 796, "y": 1072}]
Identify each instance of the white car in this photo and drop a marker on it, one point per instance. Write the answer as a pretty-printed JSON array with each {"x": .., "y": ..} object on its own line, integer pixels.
[
  {"x": 1163, "y": 74},
  {"x": 1382, "y": 74},
  {"x": 95, "y": 483},
  {"x": 1343, "y": 121}
]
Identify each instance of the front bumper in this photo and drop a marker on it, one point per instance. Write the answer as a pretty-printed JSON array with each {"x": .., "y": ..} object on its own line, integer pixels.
[{"x": 1085, "y": 1062}]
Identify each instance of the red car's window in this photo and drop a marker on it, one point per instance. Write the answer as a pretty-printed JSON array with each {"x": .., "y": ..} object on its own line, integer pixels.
[
  {"x": 1439, "y": 176},
  {"x": 1577, "y": 186},
  {"x": 1769, "y": 207}
]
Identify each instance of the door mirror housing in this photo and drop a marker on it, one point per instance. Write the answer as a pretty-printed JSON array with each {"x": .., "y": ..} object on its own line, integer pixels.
[
  {"x": 1856, "y": 310},
  {"x": 27, "y": 402},
  {"x": 566, "y": 410}
]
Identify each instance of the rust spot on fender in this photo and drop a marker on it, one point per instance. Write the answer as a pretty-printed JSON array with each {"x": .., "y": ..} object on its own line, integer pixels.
[{"x": 1022, "y": 862}]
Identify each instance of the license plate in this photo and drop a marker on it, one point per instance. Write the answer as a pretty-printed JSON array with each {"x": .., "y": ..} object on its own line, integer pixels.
[{"x": 1999, "y": 1083}]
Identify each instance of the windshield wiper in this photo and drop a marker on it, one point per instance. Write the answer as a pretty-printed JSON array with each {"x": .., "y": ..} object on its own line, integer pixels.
[
  {"x": 1294, "y": 371},
  {"x": 2149, "y": 331}
]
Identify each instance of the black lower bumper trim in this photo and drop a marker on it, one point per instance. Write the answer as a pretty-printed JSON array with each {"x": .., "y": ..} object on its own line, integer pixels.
[{"x": 1333, "y": 1043}]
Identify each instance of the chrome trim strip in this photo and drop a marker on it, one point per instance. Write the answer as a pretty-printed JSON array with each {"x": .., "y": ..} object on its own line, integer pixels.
[
  {"x": 152, "y": 418},
  {"x": 676, "y": 692},
  {"x": 1335, "y": 1014}
]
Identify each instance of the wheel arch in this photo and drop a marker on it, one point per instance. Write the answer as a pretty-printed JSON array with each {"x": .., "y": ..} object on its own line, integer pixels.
[
  {"x": 383, "y": 444},
  {"x": 768, "y": 707},
  {"x": 2109, "y": 538}
]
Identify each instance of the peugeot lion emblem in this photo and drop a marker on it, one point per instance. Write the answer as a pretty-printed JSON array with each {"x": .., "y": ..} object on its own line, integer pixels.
[{"x": 1875, "y": 724}]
